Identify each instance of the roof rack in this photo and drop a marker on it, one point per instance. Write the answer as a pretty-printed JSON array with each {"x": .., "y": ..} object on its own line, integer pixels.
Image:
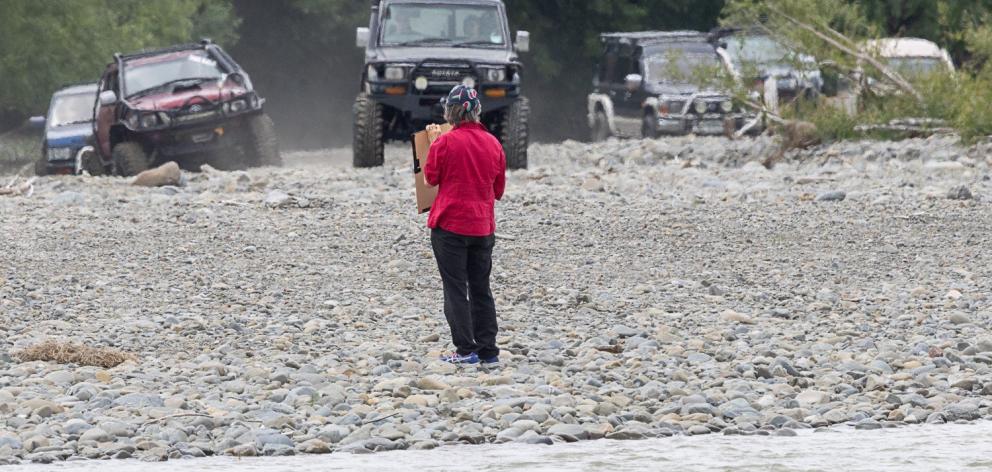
[
  {"x": 203, "y": 44},
  {"x": 652, "y": 36}
]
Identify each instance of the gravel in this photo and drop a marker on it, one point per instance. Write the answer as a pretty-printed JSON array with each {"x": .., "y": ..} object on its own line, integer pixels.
[{"x": 645, "y": 289}]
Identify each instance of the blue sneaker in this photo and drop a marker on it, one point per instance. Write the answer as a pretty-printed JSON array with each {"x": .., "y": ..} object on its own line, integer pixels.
[
  {"x": 490, "y": 362},
  {"x": 456, "y": 358}
]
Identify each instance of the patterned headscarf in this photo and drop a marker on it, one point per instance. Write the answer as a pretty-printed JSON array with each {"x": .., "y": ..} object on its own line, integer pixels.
[{"x": 466, "y": 97}]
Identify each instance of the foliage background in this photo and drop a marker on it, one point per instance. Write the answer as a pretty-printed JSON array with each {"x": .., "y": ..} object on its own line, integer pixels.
[{"x": 301, "y": 53}]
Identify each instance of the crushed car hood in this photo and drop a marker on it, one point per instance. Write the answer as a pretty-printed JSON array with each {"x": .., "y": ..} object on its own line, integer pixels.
[
  {"x": 70, "y": 135},
  {"x": 417, "y": 54},
  {"x": 211, "y": 91}
]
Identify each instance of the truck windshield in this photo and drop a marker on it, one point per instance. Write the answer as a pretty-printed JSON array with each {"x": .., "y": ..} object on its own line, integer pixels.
[
  {"x": 71, "y": 109},
  {"x": 916, "y": 67},
  {"x": 760, "y": 51},
  {"x": 410, "y": 24},
  {"x": 681, "y": 65},
  {"x": 194, "y": 66}
]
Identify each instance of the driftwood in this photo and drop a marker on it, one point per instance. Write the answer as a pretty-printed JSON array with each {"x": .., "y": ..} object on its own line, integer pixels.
[
  {"x": 13, "y": 188},
  {"x": 909, "y": 126},
  {"x": 890, "y": 74}
]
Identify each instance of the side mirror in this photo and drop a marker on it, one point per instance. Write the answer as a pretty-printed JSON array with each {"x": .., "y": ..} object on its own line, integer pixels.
[
  {"x": 523, "y": 41},
  {"x": 633, "y": 81},
  {"x": 108, "y": 97},
  {"x": 362, "y": 37},
  {"x": 37, "y": 122}
]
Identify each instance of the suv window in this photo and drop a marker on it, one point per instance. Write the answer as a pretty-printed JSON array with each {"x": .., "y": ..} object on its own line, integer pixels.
[
  {"x": 71, "y": 109},
  {"x": 423, "y": 23},
  {"x": 679, "y": 62}
]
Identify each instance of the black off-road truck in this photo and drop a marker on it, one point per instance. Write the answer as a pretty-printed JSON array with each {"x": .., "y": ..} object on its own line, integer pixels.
[
  {"x": 189, "y": 103},
  {"x": 416, "y": 51}
]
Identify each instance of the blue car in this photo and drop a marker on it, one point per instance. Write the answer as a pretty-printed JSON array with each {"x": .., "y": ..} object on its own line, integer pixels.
[{"x": 67, "y": 147}]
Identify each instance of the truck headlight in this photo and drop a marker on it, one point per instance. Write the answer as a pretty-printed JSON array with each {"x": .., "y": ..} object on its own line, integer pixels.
[
  {"x": 495, "y": 75},
  {"x": 421, "y": 83},
  {"x": 59, "y": 154},
  {"x": 699, "y": 106},
  {"x": 727, "y": 106},
  {"x": 238, "y": 106},
  {"x": 149, "y": 120},
  {"x": 395, "y": 73},
  {"x": 469, "y": 82},
  {"x": 132, "y": 119},
  {"x": 373, "y": 73}
]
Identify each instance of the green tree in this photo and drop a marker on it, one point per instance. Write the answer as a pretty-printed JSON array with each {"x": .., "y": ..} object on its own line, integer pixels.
[{"x": 45, "y": 44}]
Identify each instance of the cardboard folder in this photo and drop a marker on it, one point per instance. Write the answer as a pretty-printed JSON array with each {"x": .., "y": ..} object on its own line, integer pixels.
[{"x": 425, "y": 193}]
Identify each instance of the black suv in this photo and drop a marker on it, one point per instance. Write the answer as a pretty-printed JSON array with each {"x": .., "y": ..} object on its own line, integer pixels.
[
  {"x": 645, "y": 87},
  {"x": 416, "y": 51}
]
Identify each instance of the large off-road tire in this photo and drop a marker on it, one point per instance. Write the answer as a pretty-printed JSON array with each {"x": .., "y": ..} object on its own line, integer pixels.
[
  {"x": 367, "y": 143},
  {"x": 93, "y": 164},
  {"x": 649, "y": 126},
  {"x": 515, "y": 132},
  {"x": 130, "y": 158},
  {"x": 262, "y": 146},
  {"x": 41, "y": 166},
  {"x": 600, "y": 126}
]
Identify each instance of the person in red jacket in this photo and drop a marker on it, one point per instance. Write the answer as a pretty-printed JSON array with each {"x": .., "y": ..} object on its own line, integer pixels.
[{"x": 468, "y": 166}]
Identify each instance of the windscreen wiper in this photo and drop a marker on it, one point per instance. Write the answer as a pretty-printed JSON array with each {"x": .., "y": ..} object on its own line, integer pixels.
[
  {"x": 468, "y": 44},
  {"x": 416, "y": 42}
]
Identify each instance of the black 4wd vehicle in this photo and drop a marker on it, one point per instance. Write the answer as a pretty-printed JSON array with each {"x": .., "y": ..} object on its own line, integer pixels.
[
  {"x": 646, "y": 87},
  {"x": 189, "y": 103},
  {"x": 416, "y": 51}
]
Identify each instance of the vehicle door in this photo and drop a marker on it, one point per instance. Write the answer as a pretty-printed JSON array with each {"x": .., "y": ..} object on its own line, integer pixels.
[
  {"x": 104, "y": 116},
  {"x": 625, "y": 103}
]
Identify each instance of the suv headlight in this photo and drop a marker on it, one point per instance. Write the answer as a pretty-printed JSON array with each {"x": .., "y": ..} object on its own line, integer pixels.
[
  {"x": 237, "y": 106},
  {"x": 395, "y": 73},
  {"x": 495, "y": 75},
  {"x": 727, "y": 106},
  {"x": 699, "y": 106},
  {"x": 149, "y": 121},
  {"x": 373, "y": 73},
  {"x": 132, "y": 119}
]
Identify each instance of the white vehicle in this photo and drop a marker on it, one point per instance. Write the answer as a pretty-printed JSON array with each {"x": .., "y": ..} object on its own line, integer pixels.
[{"x": 911, "y": 57}]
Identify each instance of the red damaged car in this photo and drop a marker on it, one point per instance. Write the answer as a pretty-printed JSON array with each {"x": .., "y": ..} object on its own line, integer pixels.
[{"x": 191, "y": 104}]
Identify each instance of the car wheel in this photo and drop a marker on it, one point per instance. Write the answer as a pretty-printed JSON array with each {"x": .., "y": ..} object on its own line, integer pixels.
[
  {"x": 93, "y": 164},
  {"x": 514, "y": 133},
  {"x": 600, "y": 126},
  {"x": 367, "y": 142},
  {"x": 649, "y": 126},
  {"x": 263, "y": 144},
  {"x": 130, "y": 159}
]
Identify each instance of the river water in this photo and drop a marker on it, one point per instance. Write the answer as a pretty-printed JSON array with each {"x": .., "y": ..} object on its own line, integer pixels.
[{"x": 956, "y": 447}]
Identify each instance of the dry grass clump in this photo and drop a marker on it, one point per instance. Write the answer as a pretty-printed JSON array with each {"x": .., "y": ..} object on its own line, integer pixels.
[{"x": 70, "y": 353}]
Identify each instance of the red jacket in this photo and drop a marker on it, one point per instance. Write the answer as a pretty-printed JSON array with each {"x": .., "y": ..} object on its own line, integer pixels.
[{"x": 469, "y": 168}]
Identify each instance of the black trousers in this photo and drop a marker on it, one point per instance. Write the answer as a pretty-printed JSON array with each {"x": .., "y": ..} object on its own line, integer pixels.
[{"x": 465, "y": 263}]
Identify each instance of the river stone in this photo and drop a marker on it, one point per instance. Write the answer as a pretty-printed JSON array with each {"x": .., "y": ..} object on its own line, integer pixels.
[
  {"x": 96, "y": 434},
  {"x": 140, "y": 400},
  {"x": 568, "y": 432}
]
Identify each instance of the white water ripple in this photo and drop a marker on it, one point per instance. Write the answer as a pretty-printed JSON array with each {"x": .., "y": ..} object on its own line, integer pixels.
[{"x": 956, "y": 447}]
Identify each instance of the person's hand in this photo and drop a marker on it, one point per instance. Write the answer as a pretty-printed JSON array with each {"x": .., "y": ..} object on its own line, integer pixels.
[{"x": 433, "y": 132}]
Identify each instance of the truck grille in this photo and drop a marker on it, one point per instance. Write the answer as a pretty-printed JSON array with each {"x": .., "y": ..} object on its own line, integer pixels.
[{"x": 446, "y": 74}]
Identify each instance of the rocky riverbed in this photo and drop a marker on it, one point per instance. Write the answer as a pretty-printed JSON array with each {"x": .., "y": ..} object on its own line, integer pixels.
[{"x": 645, "y": 289}]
